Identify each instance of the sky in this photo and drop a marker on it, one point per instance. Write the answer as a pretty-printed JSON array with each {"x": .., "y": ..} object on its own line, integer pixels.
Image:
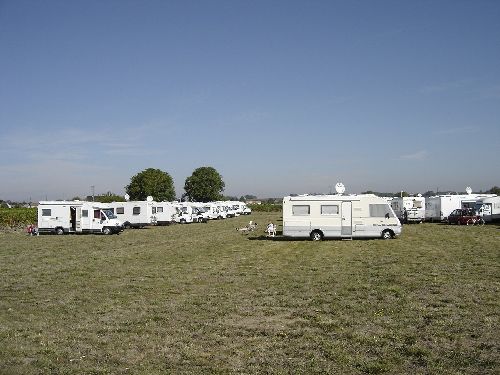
[{"x": 279, "y": 96}]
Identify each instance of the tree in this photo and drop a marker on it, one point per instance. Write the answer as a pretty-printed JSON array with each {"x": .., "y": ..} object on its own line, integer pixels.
[
  {"x": 152, "y": 182},
  {"x": 109, "y": 197},
  {"x": 204, "y": 185},
  {"x": 495, "y": 190}
]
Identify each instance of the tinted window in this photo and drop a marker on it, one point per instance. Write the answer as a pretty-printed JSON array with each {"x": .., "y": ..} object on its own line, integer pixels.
[
  {"x": 120, "y": 210},
  {"x": 85, "y": 213},
  {"x": 136, "y": 211},
  {"x": 46, "y": 212}
]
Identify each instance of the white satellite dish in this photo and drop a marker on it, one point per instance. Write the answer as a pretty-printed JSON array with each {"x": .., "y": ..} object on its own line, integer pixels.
[
  {"x": 339, "y": 188},
  {"x": 127, "y": 197},
  {"x": 468, "y": 190},
  {"x": 149, "y": 198}
]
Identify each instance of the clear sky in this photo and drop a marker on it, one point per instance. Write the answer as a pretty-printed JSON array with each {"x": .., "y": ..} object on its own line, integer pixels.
[{"x": 279, "y": 96}]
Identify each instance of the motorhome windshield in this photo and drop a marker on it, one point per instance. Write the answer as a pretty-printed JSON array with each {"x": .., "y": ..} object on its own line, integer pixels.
[{"x": 109, "y": 214}]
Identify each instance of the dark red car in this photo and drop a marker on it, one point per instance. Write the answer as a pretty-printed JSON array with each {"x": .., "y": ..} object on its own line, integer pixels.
[{"x": 464, "y": 216}]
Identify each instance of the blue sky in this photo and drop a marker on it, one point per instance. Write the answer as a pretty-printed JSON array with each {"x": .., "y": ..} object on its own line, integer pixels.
[{"x": 279, "y": 96}]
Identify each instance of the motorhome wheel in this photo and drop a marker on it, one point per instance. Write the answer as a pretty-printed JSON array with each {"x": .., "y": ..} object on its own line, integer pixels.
[
  {"x": 106, "y": 230},
  {"x": 316, "y": 235},
  {"x": 59, "y": 231},
  {"x": 386, "y": 234}
]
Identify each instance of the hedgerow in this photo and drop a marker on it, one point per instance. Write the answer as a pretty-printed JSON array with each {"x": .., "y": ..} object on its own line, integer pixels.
[
  {"x": 266, "y": 207},
  {"x": 16, "y": 217}
]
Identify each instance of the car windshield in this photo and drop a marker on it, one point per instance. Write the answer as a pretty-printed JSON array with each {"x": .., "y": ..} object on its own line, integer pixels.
[{"x": 109, "y": 214}]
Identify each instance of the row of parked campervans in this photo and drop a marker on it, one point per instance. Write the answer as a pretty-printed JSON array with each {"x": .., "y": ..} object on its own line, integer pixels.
[
  {"x": 439, "y": 208},
  {"x": 62, "y": 217}
]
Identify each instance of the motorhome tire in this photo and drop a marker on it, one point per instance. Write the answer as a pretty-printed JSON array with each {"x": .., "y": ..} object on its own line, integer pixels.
[
  {"x": 387, "y": 234},
  {"x": 59, "y": 231},
  {"x": 316, "y": 235},
  {"x": 183, "y": 221},
  {"x": 107, "y": 231},
  {"x": 126, "y": 225}
]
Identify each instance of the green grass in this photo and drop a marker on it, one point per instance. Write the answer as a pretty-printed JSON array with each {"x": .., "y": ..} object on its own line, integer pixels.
[{"x": 203, "y": 298}]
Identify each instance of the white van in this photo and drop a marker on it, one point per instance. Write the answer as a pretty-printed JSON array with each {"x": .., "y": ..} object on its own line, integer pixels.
[
  {"x": 339, "y": 216},
  {"x": 134, "y": 214},
  {"x": 61, "y": 217},
  {"x": 409, "y": 209},
  {"x": 489, "y": 208}
]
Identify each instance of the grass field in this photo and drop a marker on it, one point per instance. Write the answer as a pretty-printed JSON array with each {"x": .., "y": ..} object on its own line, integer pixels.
[{"x": 203, "y": 298}]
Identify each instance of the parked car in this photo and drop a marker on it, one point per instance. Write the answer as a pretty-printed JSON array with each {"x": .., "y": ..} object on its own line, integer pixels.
[{"x": 463, "y": 216}]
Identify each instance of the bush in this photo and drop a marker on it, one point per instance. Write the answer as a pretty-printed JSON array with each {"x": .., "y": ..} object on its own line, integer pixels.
[
  {"x": 16, "y": 217},
  {"x": 266, "y": 207}
]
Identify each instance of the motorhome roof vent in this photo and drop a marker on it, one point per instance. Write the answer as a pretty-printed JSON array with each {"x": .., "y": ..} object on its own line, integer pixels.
[
  {"x": 468, "y": 190},
  {"x": 149, "y": 198}
]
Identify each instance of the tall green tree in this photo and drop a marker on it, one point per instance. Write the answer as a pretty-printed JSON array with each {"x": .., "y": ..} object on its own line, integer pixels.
[
  {"x": 152, "y": 182},
  {"x": 204, "y": 185}
]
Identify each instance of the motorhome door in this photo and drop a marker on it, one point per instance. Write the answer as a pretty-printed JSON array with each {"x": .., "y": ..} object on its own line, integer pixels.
[
  {"x": 346, "y": 219},
  {"x": 78, "y": 220}
]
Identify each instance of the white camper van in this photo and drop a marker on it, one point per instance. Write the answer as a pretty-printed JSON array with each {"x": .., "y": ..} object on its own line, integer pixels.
[
  {"x": 409, "y": 209},
  {"x": 339, "y": 216},
  {"x": 211, "y": 209},
  {"x": 489, "y": 208},
  {"x": 61, "y": 217},
  {"x": 164, "y": 212},
  {"x": 134, "y": 214},
  {"x": 240, "y": 208},
  {"x": 188, "y": 213},
  {"x": 438, "y": 208}
]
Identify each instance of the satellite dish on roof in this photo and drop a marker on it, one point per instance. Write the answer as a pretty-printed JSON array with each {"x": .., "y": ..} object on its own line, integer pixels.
[
  {"x": 339, "y": 188},
  {"x": 149, "y": 198},
  {"x": 468, "y": 190},
  {"x": 419, "y": 195},
  {"x": 127, "y": 197}
]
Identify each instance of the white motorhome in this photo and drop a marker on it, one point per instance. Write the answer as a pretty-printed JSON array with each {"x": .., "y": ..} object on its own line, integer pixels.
[
  {"x": 228, "y": 208},
  {"x": 339, "y": 216},
  {"x": 438, "y": 208},
  {"x": 211, "y": 209},
  {"x": 164, "y": 212},
  {"x": 201, "y": 215},
  {"x": 240, "y": 208},
  {"x": 134, "y": 214},
  {"x": 409, "y": 209},
  {"x": 61, "y": 217},
  {"x": 187, "y": 213},
  {"x": 489, "y": 208}
]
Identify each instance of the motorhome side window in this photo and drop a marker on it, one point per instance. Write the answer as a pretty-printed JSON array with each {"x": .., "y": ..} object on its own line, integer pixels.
[
  {"x": 380, "y": 210},
  {"x": 97, "y": 214},
  {"x": 46, "y": 212},
  {"x": 329, "y": 210},
  {"x": 136, "y": 211},
  {"x": 301, "y": 210},
  {"x": 153, "y": 210},
  {"x": 120, "y": 210},
  {"x": 159, "y": 209},
  {"x": 85, "y": 213}
]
